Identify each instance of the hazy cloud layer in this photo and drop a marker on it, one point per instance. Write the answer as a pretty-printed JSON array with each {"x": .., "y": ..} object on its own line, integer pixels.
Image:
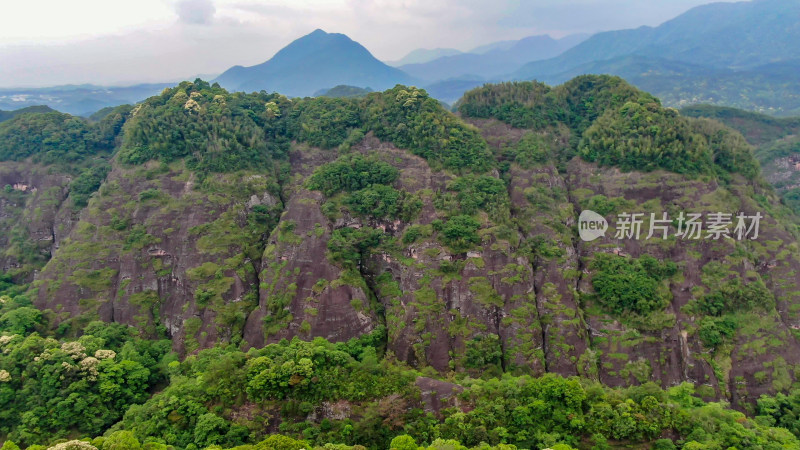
[
  {"x": 167, "y": 40},
  {"x": 196, "y": 12}
]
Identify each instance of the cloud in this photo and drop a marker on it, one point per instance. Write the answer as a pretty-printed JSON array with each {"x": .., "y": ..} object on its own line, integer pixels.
[
  {"x": 196, "y": 12},
  {"x": 209, "y": 36}
]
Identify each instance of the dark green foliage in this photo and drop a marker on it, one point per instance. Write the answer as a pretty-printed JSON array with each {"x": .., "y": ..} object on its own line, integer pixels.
[
  {"x": 483, "y": 351},
  {"x": 261, "y": 220},
  {"x": 473, "y": 193},
  {"x": 782, "y": 410},
  {"x": 714, "y": 331},
  {"x": 646, "y": 137},
  {"x": 121, "y": 440},
  {"x": 311, "y": 372},
  {"x": 540, "y": 248},
  {"x": 584, "y": 99},
  {"x": 530, "y": 151},
  {"x": 56, "y": 389},
  {"x": 459, "y": 233},
  {"x": 729, "y": 150},
  {"x": 604, "y": 206},
  {"x": 411, "y": 119},
  {"x": 384, "y": 202},
  {"x": 210, "y": 430},
  {"x": 216, "y": 131},
  {"x": 664, "y": 444},
  {"x": 521, "y": 105},
  {"x": 115, "y": 335},
  {"x": 792, "y": 200},
  {"x": 576, "y": 103},
  {"x": 50, "y": 138},
  {"x": 366, "y": 180},
  {"x": 734, "y": 296},
  {"x": 414, "y": 232},
  {"x": 203, "y": 401},
  {"x": 324, "y": 122},
  {"x": 87, "y": 183},
  {"x": 109, "y": 127},
  {"x": 351, "y": 173},
  {"x": 20, "y": 320},
  {"x": 8, "y": 115},
  {"x": 301, "y": 374},
  {"x": 625, "y": 285},
  {"x": 9, "y": 287},
  {"x": 378, "y": 200},
  {"x": 344, "y": 91},
  {"x": 351, "y": 246},
  {"x": 612, "y": 123}
]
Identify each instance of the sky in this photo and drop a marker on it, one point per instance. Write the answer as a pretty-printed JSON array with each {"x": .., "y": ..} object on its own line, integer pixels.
[{"x": 123, "y": 42}]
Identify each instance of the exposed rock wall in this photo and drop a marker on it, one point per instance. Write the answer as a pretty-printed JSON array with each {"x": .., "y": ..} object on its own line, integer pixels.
[{"x": 162, "y": 250}]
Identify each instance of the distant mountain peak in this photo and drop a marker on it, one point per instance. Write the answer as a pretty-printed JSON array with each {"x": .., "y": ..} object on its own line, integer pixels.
[{"x": 312, "y": 62}]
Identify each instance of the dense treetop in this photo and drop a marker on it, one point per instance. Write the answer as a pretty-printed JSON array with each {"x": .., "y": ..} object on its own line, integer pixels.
[
  {"x": 216, "y": 131},
  {"x": 613, "y": 123},
  {"x": 8, "y": 115},
  {"x": 51, "y": 138},
  {"x": 345, "y": 91},
  {"x": 411, "y": 119}
]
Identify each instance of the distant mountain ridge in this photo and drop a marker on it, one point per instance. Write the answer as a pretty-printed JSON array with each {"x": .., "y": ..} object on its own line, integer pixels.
[
  {"x": 730, "y": 35},
  {"x": 503, "y": 58},
  {"x": 81, "y": 100},
  {"x": 742, "y": 54},
  {"x": 423, "y": 55},
  {"x": 313, "y": 62}
]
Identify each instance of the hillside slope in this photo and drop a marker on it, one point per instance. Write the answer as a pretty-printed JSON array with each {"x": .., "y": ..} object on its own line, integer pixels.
[{"x": 164, "y": 246}]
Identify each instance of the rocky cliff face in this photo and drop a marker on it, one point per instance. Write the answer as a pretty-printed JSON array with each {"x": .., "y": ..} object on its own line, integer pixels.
[
  {"x": 34, "y": 216},
  {"x": 301, "y": 293},
  {"x": 157, "y": 248},
  {"x": 246, "y": 257}
]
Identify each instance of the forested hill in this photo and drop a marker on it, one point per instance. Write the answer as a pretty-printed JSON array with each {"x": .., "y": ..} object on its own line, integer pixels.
[
  {"x": 209, "y": 269},
  {"x": 6, "y": 115}
]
